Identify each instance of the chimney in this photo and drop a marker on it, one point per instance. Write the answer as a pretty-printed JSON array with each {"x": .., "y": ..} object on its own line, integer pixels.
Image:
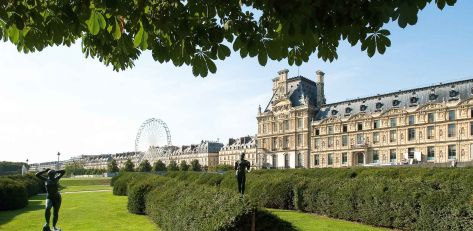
[
  {"x": 319, "y": 81},
  {"x": 283, "y": 74}
]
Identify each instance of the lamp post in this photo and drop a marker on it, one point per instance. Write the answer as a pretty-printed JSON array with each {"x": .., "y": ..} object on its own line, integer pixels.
[{"x": 57, "y": 165}]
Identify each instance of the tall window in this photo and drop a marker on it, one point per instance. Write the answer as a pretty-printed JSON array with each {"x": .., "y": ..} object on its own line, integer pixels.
[
  {"x": 330, "y": 142},
  {"x": 411, "y": 134},
  {"x": 392, "y": 136},
  {"x": 375, "y": 158},
  {"x": 330, "y": 129},
  {"x": 299, "y": 159},
  {"x": 345, "y": 128},
  {"x": 317, "y": 143},
  {"x": 300, "y": 140},
  {"x": 375, "y": 137},
  {"x": 286, "y": 124},
  {"x": 345, "y": 140},
  {"x": 330, "y": 159},
  {"x": 275, "y": 143},
  {"x": 316, "y": 160},
  {"x": 392, "y": 122},
  {"x": 317, "y": 132},
  {"x": 264, "y": 128},
  {"x": 471, "y": 128},
  {"x": 431, "y": 117},
  {"x": 451, "y": 115},
  {"x": 451, "y": 130},
  {"x": 430, "y": 153},
  {"x": 392, "y": 155},
  {"x": 286, "y": 141},
  {"x": 452, "y": 152},
  {"x": 410, "y": 153},
  {"x": 300, "y": 124},
  {"x": 430, "y": 132},
  {"x": 275, "y": 161},
  {"x": 344, "y": 157},
  {"x": 376, "y": 124},
  {"x": 286, "y": 160},
  {"x": 359, "y": 138},
  {"x": 411, "y": 120},
  {"x": 360, "y": 126},
  {"x": 275, "y": 129}
]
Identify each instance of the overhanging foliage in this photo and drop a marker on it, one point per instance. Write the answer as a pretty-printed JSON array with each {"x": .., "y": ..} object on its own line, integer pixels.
[{"x": 198, "y": 33}]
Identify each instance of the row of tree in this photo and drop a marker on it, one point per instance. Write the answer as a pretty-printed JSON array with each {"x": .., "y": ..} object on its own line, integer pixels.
[{"x": 158, "y": 166}]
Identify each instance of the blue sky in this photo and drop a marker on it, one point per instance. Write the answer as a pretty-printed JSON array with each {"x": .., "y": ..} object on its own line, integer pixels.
[{"x": 57, "y": 100}]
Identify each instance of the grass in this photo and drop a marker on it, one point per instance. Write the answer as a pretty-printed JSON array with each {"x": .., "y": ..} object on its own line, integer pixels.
[
  {"x": 82, "y": 211},
  {"x": 65, "y": 182},
  {"x": 311, "y": 222},
  {"x": 86, "y": 188}
]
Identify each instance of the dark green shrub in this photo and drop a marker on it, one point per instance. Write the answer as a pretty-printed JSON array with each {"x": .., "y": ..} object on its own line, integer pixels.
[
  {"x": 138, "y": 190},
  {"x": 13, "y": 195}
]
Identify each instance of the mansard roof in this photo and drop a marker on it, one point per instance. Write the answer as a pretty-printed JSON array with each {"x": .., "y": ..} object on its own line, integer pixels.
[
  {"x": 240, "y": 143},
  {"x": 443, "y": 92},
  {"x": 298, "y": 87}
]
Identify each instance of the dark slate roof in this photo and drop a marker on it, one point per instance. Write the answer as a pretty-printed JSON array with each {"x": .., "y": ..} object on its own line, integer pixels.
[
  {"x": 298, "y": 87},
  {"x": 452, "y": 91}
]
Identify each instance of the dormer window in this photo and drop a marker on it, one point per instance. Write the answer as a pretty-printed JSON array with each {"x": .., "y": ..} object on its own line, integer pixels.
[
  {"x": 334, "y": 112},
  {"x": 363, "y": 107},
  {"x": 348, "y": 110},
  {"x": 413, "y": 100},
  {"x": 396, "y": 102},
  {"x": 453, "y": 93},
  {"x": 379, "y": 105},
  {"x": 433, "y": 96}
]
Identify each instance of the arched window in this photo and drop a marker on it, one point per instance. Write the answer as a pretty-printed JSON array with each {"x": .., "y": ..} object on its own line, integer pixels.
[
  {"x": 363, "y": 107},
  {"x": 414, "y": 100},
  {"x": 453, "y": 93},
  {"x": 396, "y": 102},
  {"x": 379, "y": 105},
  {"x": 348, "y": 110},
  {"x": 433, "y": 96},
  {"x": 334, "y": 112}
]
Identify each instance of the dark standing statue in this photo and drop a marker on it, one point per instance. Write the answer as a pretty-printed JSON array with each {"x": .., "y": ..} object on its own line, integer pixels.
[
  {"x": 241, "y": 166},
  {"x": 53, "y": 197}
]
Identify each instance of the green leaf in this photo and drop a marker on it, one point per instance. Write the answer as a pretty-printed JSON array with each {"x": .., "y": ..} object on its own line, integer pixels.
[
  {"x": 101, "y": 20},
  {"x": 93, "y": 23},
  {"x": 262, "y": 58},
  {"x": 141, "y": 39},
  {"x": 13, "y": 34},
  {"x": 211, "y": 66},
  {"x": 117, "y": 33}
]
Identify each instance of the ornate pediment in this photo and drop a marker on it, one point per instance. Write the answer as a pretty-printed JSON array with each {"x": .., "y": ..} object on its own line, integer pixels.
[
  {"x": 466, "y": 102},
  {"x": 430, "y": 106},
  {"x": 393, "y": 111},
  {"x": 359, "y": 116},
  {"x": 330, "y": 120}
]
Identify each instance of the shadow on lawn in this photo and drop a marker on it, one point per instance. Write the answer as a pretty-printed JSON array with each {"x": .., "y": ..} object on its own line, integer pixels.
[{"x": 34, "y": 203}]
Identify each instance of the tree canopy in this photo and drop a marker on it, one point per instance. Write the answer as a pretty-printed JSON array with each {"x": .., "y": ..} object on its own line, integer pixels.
[{"x": 197, "y": 33}]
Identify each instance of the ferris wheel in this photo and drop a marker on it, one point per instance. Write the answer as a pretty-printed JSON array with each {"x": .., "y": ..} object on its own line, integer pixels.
[{"x": 152, "y": 134}]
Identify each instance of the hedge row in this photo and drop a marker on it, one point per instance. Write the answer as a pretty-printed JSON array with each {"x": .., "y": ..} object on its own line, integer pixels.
[
  {"x": 401, "y": 198},
  {"x": 15, "y": 190},
  {"x": 191, "y": 201}
]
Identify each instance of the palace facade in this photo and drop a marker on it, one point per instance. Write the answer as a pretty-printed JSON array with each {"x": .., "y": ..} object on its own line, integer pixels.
[
  {"x": 424, "y": 125},
  {"x": 230, "y": 153}
]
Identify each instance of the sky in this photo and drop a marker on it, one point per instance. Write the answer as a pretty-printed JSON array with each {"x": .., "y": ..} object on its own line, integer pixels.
[{"x": 59, "y": 101}]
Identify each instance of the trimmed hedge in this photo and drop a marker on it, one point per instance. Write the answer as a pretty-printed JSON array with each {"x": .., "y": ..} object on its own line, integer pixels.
[
  {"x": 14, "y": 190},
  {"x": 401, "y": 198}
]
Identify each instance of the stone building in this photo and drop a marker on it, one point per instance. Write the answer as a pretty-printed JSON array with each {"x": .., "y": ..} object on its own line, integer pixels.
[
  {"x": 283, "y": 126},
  {"x": 206, "y": 153},
  {"x": 424, "y": 125},
  {"x": 230, "y": 153}
]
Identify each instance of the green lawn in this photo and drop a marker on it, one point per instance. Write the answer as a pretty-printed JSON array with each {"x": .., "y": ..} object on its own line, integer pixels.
[
  {"x": 86, "y": 188},
  {"x": 81, "y": 211},
  {"x": 84, "y": 181},
  {"x": 310, "y": 222}
]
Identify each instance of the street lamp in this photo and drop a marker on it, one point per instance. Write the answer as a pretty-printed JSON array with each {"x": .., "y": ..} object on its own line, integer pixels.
[{"x": 58, "y": 154}]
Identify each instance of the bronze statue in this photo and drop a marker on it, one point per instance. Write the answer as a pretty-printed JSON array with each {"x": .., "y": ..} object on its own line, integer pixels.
[
  {"x": 241, "y": 166},
  {"x": 53, "y": 197}
]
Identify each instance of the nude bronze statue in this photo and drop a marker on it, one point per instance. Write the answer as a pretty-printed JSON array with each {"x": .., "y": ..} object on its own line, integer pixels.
[
  {"x": 241, "y": 166},
  {"x": 53, "y": 197}
]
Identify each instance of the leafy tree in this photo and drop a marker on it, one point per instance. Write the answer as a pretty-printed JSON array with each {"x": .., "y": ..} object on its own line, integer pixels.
[
  {"x": 173, "y": 166},
  {"x": 75, "y": 168},
  {"x": 129, "y": 166},
  {"x": 195, "y": 166},
  {"x": 7, "y": 168},
  {"x": 112, "y": 166},
  {"x": 183, "y": 166},
  {"x": 197, "y": 33},
  {"x": 159, "y": 166},
  {"x": 144, "y": 166}
]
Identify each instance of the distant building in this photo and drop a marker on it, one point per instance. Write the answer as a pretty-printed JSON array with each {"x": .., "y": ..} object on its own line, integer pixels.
[
  {"x": 423, "y": 125},
  {"x": 230, "y": 153},
  {"x": 206, "y": 153}
]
